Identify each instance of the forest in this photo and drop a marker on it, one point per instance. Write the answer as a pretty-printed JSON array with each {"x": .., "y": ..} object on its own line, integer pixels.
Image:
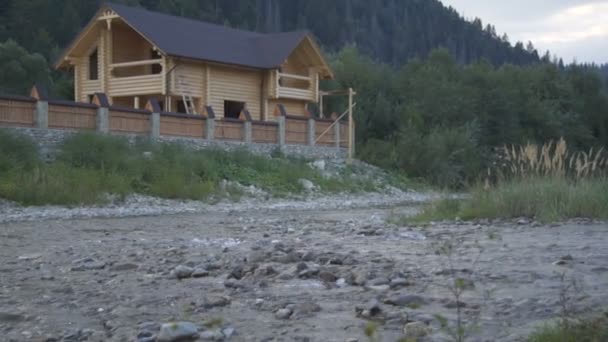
[{"x": 437, "y": 94}]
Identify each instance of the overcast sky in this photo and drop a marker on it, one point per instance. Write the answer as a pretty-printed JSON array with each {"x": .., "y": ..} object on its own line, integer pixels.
[{"x": 571, "y": 29}]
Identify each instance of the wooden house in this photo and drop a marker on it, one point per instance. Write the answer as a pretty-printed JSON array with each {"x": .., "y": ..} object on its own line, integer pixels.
[{"x": 132, "y": 55}]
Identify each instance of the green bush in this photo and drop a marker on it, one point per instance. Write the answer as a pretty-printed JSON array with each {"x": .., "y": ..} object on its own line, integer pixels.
[
  {"x": 94, "y": 151},
  {"x": 16, "y": 152},
  {"x": 444, "y": 157}
]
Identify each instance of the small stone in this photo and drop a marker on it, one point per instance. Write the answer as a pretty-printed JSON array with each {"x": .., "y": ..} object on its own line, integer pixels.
[
  {"x": 233, "y": 284},
  {"x": 327, "y": 276},
  {"x": 452, "y": 304},
  {"x": 178, "y": 331},
  {"x": 306, "y": 309},
  {"x": 257, "y": 256},
  {"x": 378, "y": 281},
  {"x": 341, "y": 283},
  {"x": 405, "y": 300},
  {"x": 149, "y": 326},
  {"x": 182, "y": 272},
  {"x": 416, "y": 330},
  {"x": 379, "y": 288},
  {"x": 399, "y": 282},
  {"x": 237, "y": 272},
  {"x": 124, "y": 267},
  {"x": 200, "y": 273},
  {"x": 11, "y": 317},
  {"x": 283, "y": 313},
  {"x": 29, "y": 257},
  {"x": 212, "y": 335},
  {"x": 228, "y": 332},
  {"x": 369, "y": 310},
  {"x": 216, "y": 301}
]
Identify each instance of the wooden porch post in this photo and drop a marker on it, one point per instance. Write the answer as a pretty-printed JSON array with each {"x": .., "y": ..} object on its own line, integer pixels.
[{"x": 350, "y": 125}]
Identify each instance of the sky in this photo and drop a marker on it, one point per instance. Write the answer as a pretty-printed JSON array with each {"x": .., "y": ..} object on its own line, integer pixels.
[{"x": 571, "y": 29}]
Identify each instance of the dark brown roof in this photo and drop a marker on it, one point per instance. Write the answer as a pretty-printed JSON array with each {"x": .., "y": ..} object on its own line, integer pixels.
[{"x": 182, "y": 37}]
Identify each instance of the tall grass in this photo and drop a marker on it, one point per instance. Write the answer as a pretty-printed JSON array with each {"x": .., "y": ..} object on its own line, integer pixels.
[
  {"x": 90, "y": 166},
  {"x": 547, "y": 182},
  {"x": 593, "y": 330}
]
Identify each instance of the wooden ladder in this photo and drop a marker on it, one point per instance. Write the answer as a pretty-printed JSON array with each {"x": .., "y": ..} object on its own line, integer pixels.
[{"x": 189, "y": 104}]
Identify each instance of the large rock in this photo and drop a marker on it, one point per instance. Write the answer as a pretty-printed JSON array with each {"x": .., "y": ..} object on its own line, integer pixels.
[
  {"x": 306, "y": 184},
  {"x": 182, "y": 272},
  {"x": 416, "y": 330},
  {"x": 318, "y": 164},
  {"x": 178, "y": 332}
]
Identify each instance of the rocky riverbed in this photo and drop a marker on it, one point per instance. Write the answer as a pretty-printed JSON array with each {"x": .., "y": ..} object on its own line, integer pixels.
[{"x": 290, "y": 273}]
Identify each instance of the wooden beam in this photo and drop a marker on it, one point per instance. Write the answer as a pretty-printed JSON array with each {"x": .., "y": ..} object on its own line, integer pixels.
[
  {"x": 136, "y": 63},
  {"x": 296, "y": 77}
]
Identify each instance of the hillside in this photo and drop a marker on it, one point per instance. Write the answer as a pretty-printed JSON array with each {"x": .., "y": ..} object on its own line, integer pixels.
[{"x": 390, "y": 31}]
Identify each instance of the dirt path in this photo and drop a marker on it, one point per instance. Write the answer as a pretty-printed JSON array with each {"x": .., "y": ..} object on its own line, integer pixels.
[{"x": 288, "y": 275}]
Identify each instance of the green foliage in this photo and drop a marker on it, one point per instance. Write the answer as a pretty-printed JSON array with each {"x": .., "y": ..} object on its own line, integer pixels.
[
  {"x": 592, "y": 330},
  {"x": 16, "y": 152},
  {"x": 441, "y": 121},
  {"x": 20, "y": 70},
  {"x": 91, "y": 166}
]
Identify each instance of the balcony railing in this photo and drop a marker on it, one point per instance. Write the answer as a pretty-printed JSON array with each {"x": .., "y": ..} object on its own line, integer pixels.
[
  {"x": 135, "y": 78},
  {"x": 308, "y": 93}
]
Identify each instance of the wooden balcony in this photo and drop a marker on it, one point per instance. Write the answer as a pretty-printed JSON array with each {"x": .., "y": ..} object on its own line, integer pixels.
[
  {"x": 309, "y": 92},
  {"x": 135, "y": 78}
]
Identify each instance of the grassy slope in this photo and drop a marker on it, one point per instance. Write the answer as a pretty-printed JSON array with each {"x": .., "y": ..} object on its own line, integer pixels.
[{"x": 90, "y": 166}]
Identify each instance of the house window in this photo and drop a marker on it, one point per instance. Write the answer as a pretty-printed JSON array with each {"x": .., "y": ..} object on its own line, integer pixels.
[
  {"x": 93, "y": 66},
  {"x": 233, "y": 109},
  {"x": 156, "y": 68}
]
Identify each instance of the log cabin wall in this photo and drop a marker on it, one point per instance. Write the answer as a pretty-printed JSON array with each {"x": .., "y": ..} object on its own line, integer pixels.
[{"x": 235, "y": 84}]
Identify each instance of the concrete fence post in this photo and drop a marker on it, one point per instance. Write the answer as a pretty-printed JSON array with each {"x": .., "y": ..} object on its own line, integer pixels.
[
  {"x": 247, "y": 134},
  {"x": 103, "y": 113},
  {"x": 154, "y": 107},
  {"x": 312, "y": 135},
  {"x": 41, "y": 118},
  {"x": 210, "y": 124},
  {"x": 282, "y": 120},
  {"x": 155, "y": 125},
  {"x": 42, "y": 114}
]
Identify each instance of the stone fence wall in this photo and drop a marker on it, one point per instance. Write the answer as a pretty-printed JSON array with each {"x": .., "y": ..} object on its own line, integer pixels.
[{"x": 49, "y": 121}]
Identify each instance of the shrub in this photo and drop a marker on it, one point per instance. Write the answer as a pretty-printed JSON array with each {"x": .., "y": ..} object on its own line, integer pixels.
[
  {"x": 16, "y": 152},
  {"x": 94, "y": 151}
]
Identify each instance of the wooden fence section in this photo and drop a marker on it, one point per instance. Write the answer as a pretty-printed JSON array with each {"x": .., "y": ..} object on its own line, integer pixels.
[
  {"x": 129, "y": 121},
  {"x": 17, "y": 112},
  {"x": 57, "y": 114},
  {"x": 264, "y": 132},
  {"x": 328, "y": 139},
  {"x": 227, "y": 129},
  {"x": 296, "y": 130},
  {"x": 72, "y": 115},
  {"x": 182, "y": 125}
]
